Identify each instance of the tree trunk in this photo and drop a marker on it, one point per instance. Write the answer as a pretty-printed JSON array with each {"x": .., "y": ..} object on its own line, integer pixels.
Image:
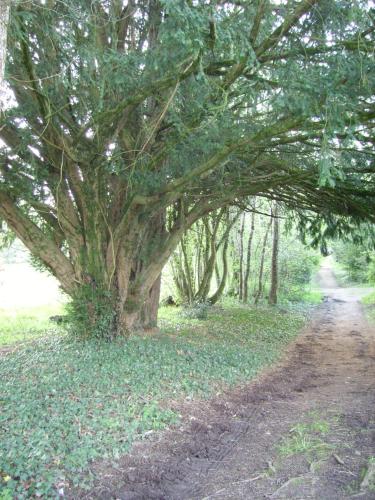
[
  {"x": 198, "y": 251},
  {"x": 240, "y": 271},
  {"x": 220, "y": 290},
  {"x": 272, "y": 298},
  {"x": 261, "y": 267},
  {"x": 217, "y": 275},
  {"x": 149, "y": 312},
  {"x": 248, "y": 260}
]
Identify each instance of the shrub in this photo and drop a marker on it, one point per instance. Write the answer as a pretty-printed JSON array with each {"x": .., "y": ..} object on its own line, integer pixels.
[
  {"x": 197, "y": 310},
  {"x": 91, "y": 312}
]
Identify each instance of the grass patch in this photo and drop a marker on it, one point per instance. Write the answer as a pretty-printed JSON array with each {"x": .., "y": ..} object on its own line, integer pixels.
[
  {"x": 369, "y": 306},
  {"x": 67, "y": 402},
  {"x": 312, "y": 296},
  {"x": 24, "y": 324},
  {"x": 307, "y": 439},
  {"x": 369, "y": 299},
  {"x": 298, "y": 295}
]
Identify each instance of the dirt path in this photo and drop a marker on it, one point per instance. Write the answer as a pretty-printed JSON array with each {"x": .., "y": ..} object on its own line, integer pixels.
[{"x": 304, "y": 430}]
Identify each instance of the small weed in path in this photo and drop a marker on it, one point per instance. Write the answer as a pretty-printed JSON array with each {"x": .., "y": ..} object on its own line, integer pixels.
[{"x": 306, "y": 438}]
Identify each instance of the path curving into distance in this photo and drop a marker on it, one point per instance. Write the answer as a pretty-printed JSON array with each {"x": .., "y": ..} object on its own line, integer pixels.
[{"x": 303, "y": 430}]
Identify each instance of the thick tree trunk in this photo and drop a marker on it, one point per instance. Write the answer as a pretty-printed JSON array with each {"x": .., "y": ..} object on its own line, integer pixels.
[
  {"x": 144, "y": 319},
  {"x": 111, "y": 316},
  {"x": 149, "y": 312},
  {"x": 272, "y": 298},
  {"x": 120, "y": 291}
]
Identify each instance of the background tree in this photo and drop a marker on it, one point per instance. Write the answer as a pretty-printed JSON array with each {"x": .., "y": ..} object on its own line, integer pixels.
[
  {"x": 134, "y": 120},
  {"x": 241, "y": 259},
  {"x": 292, "y": 279},
  {"x": 248, "y": 259},
  {"x": 355, "y": 256},
  {"x": 272, "y": 298},
  {"x": 197, "y": 257},
  {"x": 259, "y": 291}
]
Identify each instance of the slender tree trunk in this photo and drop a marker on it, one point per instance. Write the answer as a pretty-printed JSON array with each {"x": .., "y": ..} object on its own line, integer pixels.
[
  {"x": 200, "y": 245},
  {"x": 188, "y": 276},
  {"x": 240, "y": 272},
  {"x": 217, "y": 275},
  {"x": 272, "y": 298},
  {"x": 220, "y": 290},
  {"x": 261, "y": 267},
  {"x": 209, "y": 268},
  {"x": 248, "y": 260},
  {"x": 199, "y": 250}
]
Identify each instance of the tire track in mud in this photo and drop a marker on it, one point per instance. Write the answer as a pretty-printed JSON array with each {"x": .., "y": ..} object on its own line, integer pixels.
[{"x": 227, "y": 446}]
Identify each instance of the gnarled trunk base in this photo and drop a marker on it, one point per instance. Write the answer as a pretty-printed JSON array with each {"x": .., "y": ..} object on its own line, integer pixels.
[
  {"x": 145, "y": 317},
  {"x": 94, "y": 312}
]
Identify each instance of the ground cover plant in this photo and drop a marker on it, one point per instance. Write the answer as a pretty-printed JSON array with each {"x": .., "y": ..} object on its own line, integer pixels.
[
  {"x": 67, "y": 402},
  {"x": 369, "y": 306}
]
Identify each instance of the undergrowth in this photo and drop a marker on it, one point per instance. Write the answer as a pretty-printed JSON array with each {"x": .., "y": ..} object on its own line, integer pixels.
[
  {"x": 369, "y": 306},
  {"x": 67, "y": 402}
]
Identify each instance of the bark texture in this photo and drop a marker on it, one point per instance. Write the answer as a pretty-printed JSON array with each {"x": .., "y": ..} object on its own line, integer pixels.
[
  {"x": 259, "y": 292},
  {"x": 272, "y": 298},
  {"x": 248, "y": 259},
  {"x": 241, "y": 258}
]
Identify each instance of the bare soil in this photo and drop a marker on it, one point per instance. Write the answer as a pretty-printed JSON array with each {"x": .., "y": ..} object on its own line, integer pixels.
[{"x": 229, "y": 447}]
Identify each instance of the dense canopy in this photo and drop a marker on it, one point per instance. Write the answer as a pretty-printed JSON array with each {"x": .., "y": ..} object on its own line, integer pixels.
[{"x": 130, "y": 120}]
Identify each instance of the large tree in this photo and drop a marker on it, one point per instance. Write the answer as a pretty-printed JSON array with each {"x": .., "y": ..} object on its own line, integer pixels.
[{"x": 133, "y": 119}]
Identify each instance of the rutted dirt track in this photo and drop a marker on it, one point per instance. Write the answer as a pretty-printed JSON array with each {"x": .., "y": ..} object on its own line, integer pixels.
[{"x": 228, "y": 447}]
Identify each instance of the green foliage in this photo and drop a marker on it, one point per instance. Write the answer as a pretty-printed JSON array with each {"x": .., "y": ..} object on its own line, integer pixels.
[
  {"x": 307, "y": 439},
  {"x": 371, "y": 270},
  {"x": 369, "y": 299},
  {"x": 7, "y": 237},
  {"x": 92, "y": 312},
  {"x": 197, "y": 310},
  {"x": 5, "y": 493},
  {"x": 201, "y": 254},
  {"x": 369, "y": 303},
  {"x": 310, "y": 296},
  {"x": 357, "y": 261},
  {"x": 297, "y": 264},
  {"x": 66, "y": 402}
]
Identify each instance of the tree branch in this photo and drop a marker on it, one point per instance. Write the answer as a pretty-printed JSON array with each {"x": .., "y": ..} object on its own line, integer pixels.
[
  {"x": 285, "y": 27},
  {"x": 37, "y": 242}
]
